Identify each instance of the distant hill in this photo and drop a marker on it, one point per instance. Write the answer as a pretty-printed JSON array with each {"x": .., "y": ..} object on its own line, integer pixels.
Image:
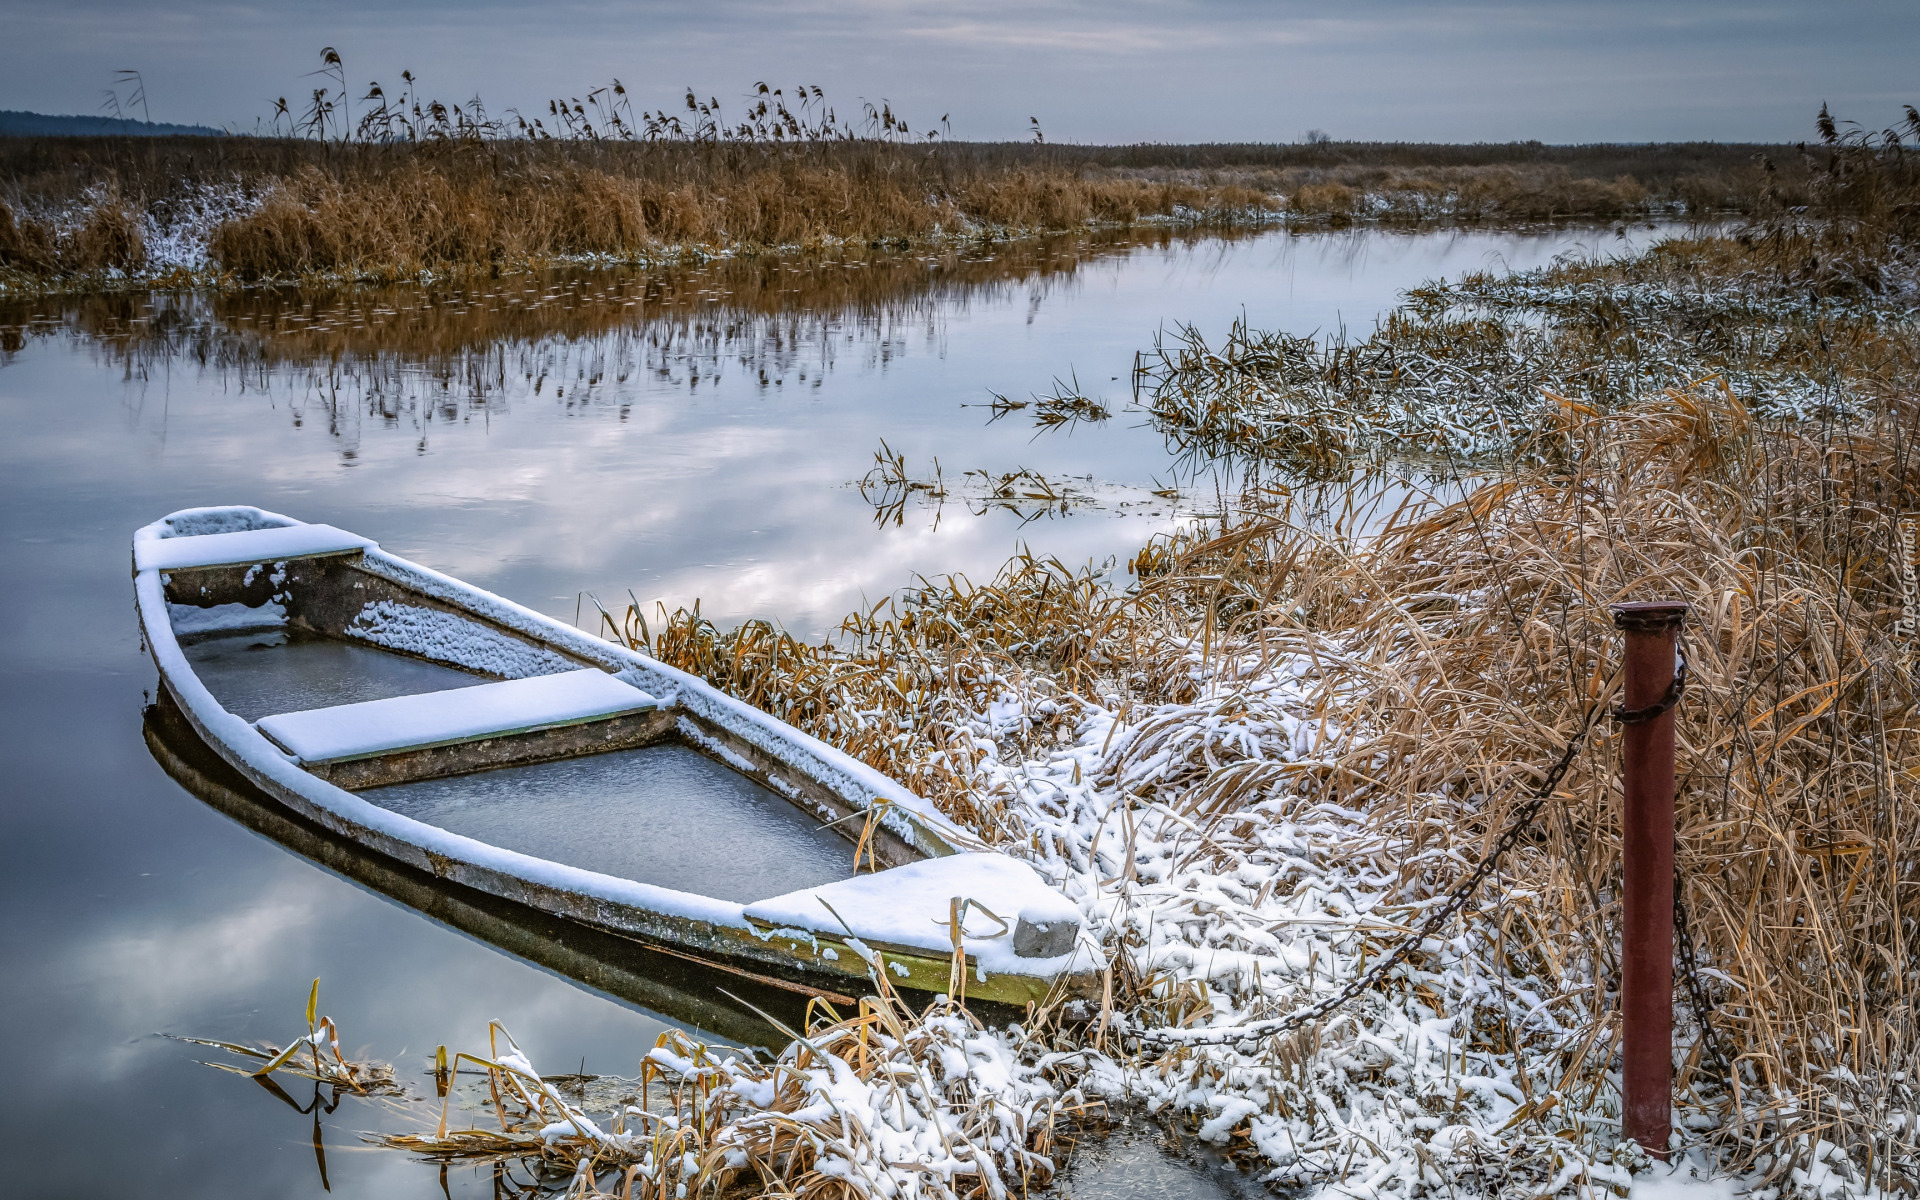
[{"x": 32, "y": 124}]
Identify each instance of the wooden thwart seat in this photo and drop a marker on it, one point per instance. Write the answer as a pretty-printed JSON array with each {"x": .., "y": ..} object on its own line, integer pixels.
[
  {"x": 405, "y": 724},
  {"x": 247, "y": 546}
]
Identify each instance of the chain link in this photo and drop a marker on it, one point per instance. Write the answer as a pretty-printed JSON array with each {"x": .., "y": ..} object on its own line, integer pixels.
[
  {"x": 1436, "y": 921},
  {"x": 1696, "y": 990},
  {"x": 1640, "y": 716}
]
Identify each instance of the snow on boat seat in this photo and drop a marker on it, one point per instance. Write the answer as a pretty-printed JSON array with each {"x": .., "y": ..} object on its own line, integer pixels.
[
  {"x": 429, "y": 719},
  {"x": 911, "y": 906},
  {"x": 247, "y": 546}
]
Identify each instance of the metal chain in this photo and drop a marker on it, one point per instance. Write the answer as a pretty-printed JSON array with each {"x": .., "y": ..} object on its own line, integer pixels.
[
  {"x": 1435, "y": 923},
  {"x": 1640, "y": 716},
  {"x": 1696, "y": 990}
]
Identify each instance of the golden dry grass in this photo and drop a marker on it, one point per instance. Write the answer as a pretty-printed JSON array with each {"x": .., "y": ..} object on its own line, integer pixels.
[
  {"x": 108, "y": 235},
  {"x": 386, "y": 210},
  {"x": 1798, "y": 764},
  {"x": 424, "y": 217}
]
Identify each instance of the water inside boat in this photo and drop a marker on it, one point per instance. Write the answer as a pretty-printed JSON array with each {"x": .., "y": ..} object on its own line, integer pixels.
[
  {"x": 256, "y": 674},
  {"x": 663, "y": 814}
]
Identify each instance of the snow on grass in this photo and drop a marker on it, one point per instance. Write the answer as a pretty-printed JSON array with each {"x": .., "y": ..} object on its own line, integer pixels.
[
  {"x": 886, "y": 1102},
  {"x": 1477, "y": 367},
  {"x": 1228, "y": 897},
  {"x": 179, "y": 229}
]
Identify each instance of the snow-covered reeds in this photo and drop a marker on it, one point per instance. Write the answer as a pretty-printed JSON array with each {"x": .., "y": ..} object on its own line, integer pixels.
[
  {"x": 890, "y": 1101},
  {"x": 1798, "y": 313},
  {"x": 1473, "y": 639},
  {"x": 100, "y": 232},
  {"x": 1256, "y": 770},
  {"x": 1474, "y": 368}
]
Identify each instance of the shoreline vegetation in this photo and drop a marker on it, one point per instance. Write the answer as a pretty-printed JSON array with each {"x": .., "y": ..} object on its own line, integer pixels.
[
  {"x": 1260, "y": 762},
  {"x": 88, "y": 214}
]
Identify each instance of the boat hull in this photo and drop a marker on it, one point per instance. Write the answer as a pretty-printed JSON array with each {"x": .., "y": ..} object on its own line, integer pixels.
[{"x": 333, "y": 596}]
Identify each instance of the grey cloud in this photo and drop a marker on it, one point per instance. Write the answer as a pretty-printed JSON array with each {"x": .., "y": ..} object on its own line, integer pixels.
[{"x": 1197, "y": 70}]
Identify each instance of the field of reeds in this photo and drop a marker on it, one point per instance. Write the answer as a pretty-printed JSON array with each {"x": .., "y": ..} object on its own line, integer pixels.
[
  {"x": 393, "y": 185},
  {"x": 231, "y": 211},
  {"x": 175, "y": 211}
]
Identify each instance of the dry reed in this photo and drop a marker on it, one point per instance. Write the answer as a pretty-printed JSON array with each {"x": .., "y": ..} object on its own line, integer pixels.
[
  {"x": 324, "y": 1063},
  {"x": 412, "y": 185},
  {"x": 1477, "y": 633},
  {"x": 888, "y": 1101},
  {"x": 104, "y": 233}
]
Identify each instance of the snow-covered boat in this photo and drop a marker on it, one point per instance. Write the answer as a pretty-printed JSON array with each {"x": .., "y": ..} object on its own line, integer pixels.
[{"x": 463, "y": 735}]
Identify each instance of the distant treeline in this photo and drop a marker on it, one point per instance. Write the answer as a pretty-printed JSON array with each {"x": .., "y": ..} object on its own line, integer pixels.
[{"x": 18, "y": 123}]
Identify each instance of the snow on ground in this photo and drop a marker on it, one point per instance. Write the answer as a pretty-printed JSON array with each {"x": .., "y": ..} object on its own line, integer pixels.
[
  {"x": 1277, "y": 901},
  {"x": 1685, "y": 1179},
  {"x": 179, "y": 229}
]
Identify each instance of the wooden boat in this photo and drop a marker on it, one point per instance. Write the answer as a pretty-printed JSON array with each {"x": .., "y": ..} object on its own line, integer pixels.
[{"x": 513, "y": 754}]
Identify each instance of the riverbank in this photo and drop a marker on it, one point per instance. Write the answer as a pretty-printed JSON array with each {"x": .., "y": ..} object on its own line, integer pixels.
[{"x": 88, "y": 214}]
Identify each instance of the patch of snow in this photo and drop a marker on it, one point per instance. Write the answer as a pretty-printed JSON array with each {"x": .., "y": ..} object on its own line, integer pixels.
[
  {"x": 912, "y": 906},
  {"x": 462, "y": 714},
  {"x": 1683, "y": 1181},
  {"x": 179, "y": 230},
  {"x": 245, "y": 546},
  {"x": 1398, "y": 1095},
  {"x": 223, "y": 518},
  {"x": 451, "y": 638}
]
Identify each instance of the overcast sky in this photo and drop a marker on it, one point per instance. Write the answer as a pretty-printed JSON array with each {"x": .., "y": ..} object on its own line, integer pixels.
[{"x": 1113, "y": 71}]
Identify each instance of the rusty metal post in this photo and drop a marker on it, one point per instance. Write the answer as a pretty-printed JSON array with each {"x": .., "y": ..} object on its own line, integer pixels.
[{"x": 1652, "y": 630}]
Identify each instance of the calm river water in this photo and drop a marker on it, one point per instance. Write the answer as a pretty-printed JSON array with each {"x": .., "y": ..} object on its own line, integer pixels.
[{"x": 697, "y": 432}]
